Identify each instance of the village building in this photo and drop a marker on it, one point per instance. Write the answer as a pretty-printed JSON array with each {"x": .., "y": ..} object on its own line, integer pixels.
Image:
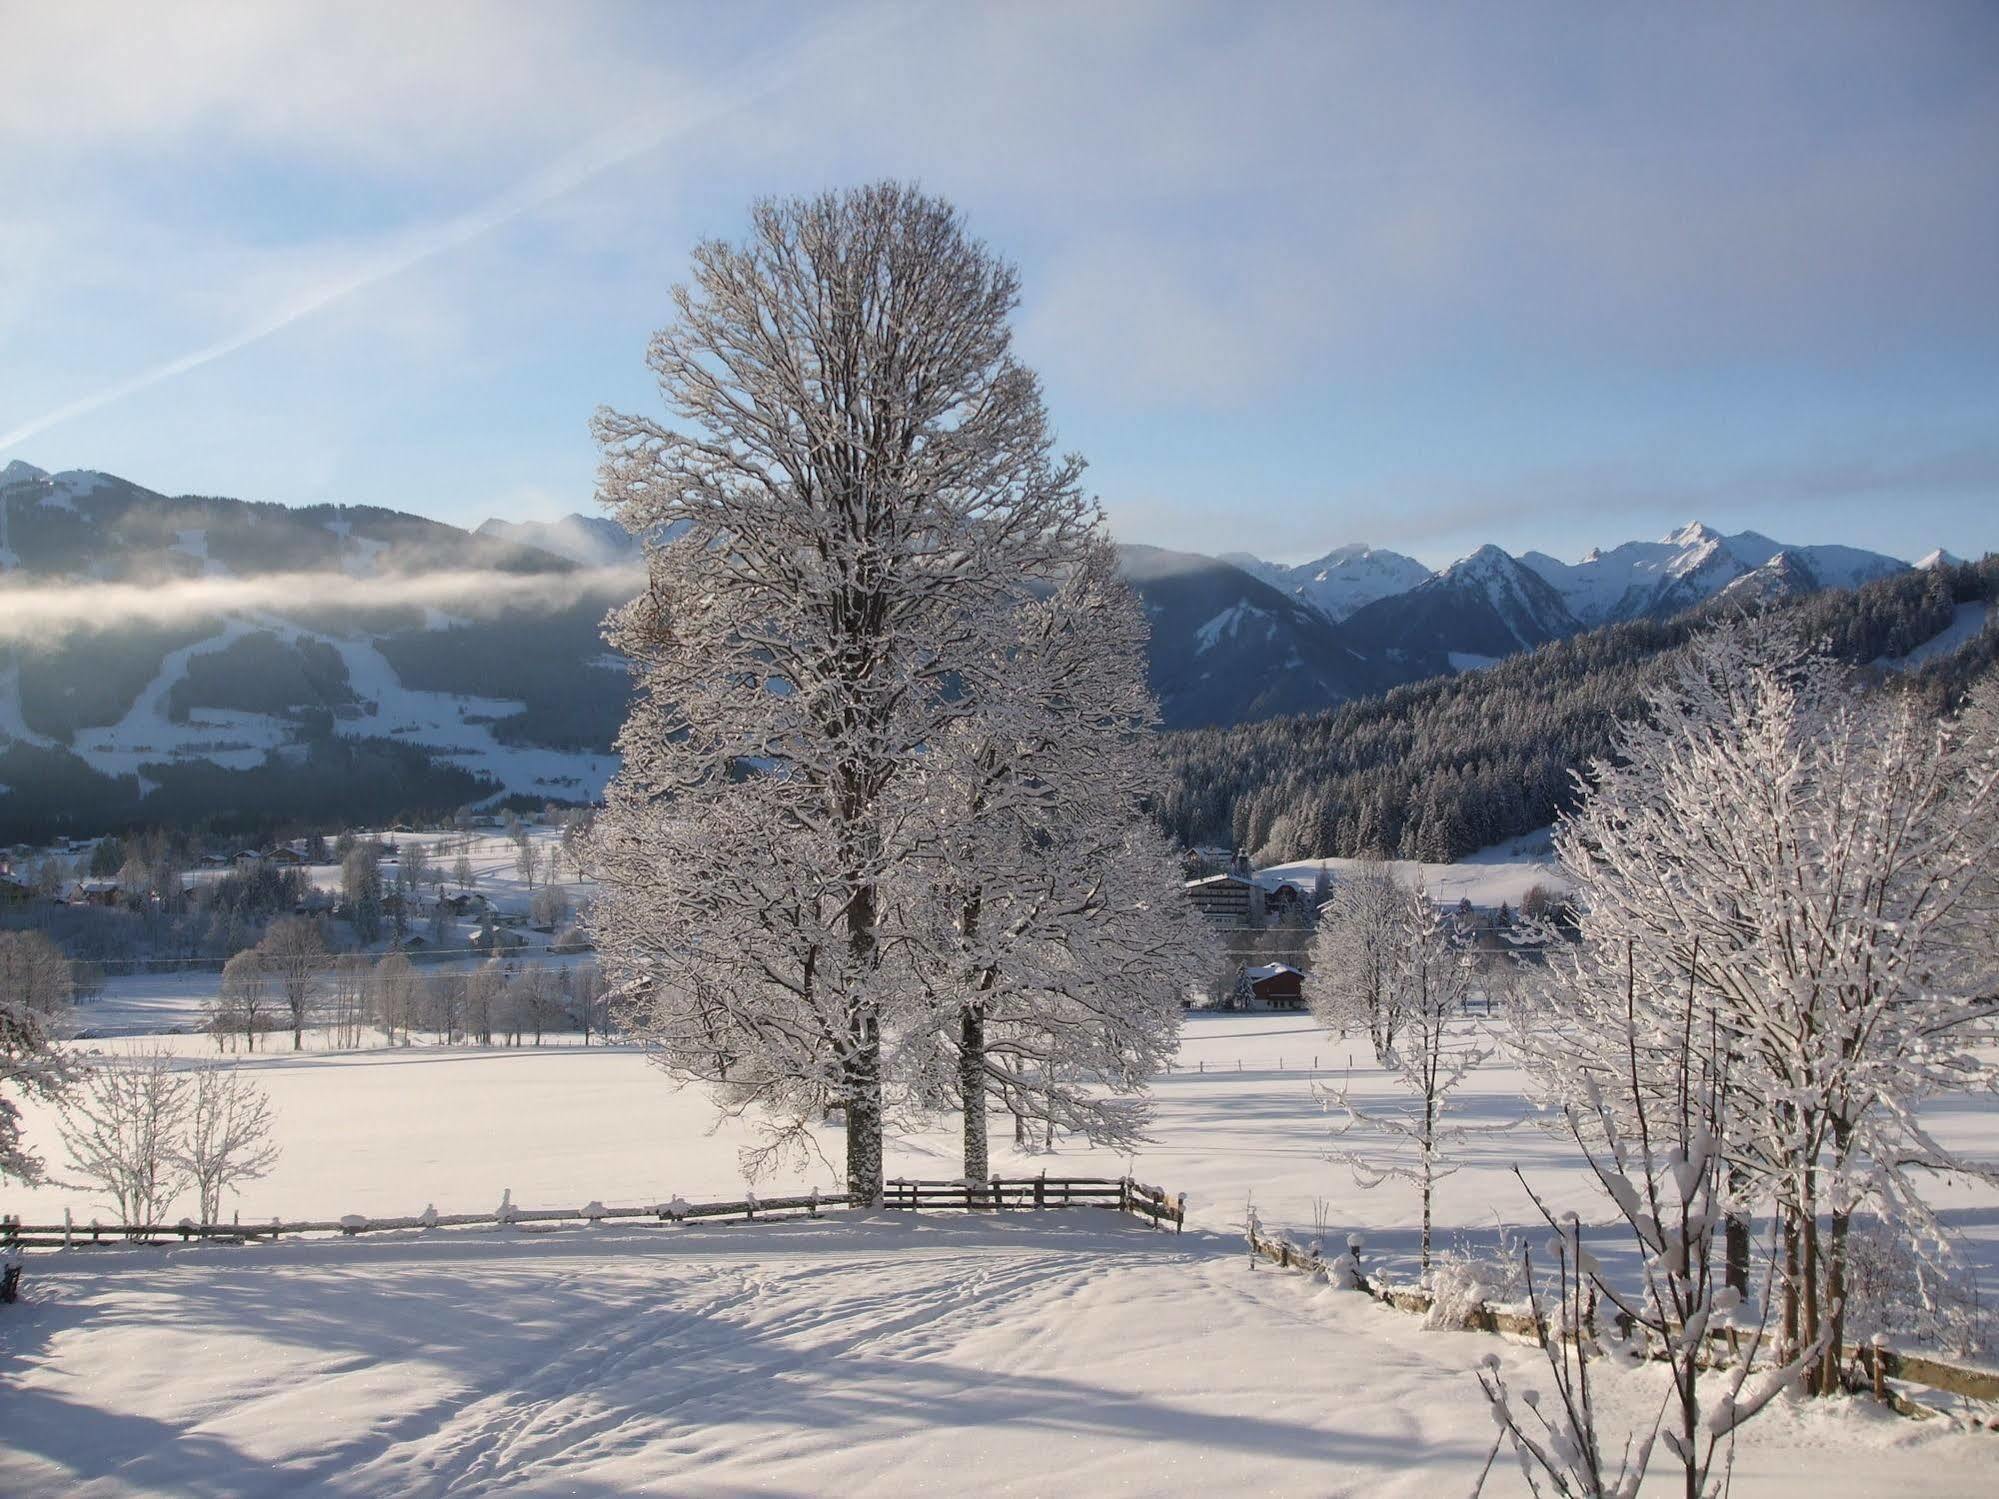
[{"x": 1276, "y": 986}]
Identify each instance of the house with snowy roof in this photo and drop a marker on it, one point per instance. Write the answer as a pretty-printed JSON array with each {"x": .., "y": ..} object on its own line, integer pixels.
[
  {"x": 1231, "y": 901},
  {"x": 93, "y": 893},
  {"x": 1276, "y": 986}
]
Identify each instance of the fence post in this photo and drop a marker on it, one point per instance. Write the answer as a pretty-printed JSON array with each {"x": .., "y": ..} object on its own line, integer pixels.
[
  {"x": 1180, "y": 1213},
  {"x": 67, "y": 1227},
  {"x": 1124, "y": 1194},
  {"x": 814, "y": 1211},
  {"x": 1041, "y": 1189},
  {"x": 999, "y": 1192}
]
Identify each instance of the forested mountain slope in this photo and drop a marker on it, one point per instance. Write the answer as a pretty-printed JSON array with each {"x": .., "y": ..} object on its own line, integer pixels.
[{"x": 1439, "y": 768}]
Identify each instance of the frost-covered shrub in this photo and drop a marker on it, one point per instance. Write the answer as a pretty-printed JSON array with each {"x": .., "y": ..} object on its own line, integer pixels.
[
  {"x": 1894, "y": 1289},
  {"x": 1464, "y": 1280}
]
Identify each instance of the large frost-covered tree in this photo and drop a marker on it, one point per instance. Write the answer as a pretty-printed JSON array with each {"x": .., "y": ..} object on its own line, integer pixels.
[
  {"x": 1051, "y": 940},
  {"x": 1794, "y": 870},
  {"x": 854, "y": 474}
]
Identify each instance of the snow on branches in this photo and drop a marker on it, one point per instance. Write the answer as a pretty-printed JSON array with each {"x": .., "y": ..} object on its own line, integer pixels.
[
  {"x": 1411, "y": 1001},
  {"x": 34, "y": 1006},
  {"x": 1789, "y": 874},
  {"x": 859, "y": 499}
]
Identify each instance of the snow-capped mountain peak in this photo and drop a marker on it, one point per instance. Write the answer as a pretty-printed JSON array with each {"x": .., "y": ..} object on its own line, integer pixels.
[
  {"x": 1693, "y": 534},
  {"x": 1484, "y": 562},
  {"x": 1345, "y": 579},
  {"x": 19, "y": 472},
  {"x": 1938, "y": 557},
  {"x": 1693, "y": 564}
]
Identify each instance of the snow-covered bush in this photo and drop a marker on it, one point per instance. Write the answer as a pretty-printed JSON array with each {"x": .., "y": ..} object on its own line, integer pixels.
[
  {"x": 1464, "y": 1280},
  {"x": 1909, "y": 1291}
]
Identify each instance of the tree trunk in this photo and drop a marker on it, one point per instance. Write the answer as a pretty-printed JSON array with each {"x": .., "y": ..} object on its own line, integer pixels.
[
  {"x": 863, "y": 1081},
  {"x": 1834, "y": 1305},
  {"x": 1735, "y": 1231},
  {"x": 972, "y": 1091},
  {"x": 862, "y": 1067},
  {"x": 1788, "y": 1329},
  {"x": 1814, "y": 1312}
]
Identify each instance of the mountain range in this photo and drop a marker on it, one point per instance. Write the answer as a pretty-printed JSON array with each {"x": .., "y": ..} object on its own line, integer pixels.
[{"x": 430, "y": 666}]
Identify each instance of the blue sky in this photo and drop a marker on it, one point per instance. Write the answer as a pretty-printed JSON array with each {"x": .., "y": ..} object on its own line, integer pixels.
[{"x": 1295, "y": 275}]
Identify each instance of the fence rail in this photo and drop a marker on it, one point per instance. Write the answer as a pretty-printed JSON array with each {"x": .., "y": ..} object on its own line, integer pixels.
[
  {"x": 1120, "y": 1194},
  {"x": 1877, "y": 1363}
]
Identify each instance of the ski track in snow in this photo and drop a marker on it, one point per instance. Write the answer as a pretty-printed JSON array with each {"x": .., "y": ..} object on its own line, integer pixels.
[{"x": 1035, "y": 1353}]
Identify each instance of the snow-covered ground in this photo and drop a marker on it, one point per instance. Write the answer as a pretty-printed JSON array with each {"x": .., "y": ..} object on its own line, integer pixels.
[
  {"x": 1050, "y": 1354},
  {"x": 1504, "y": 872},
  {"x": 1032, "y": 1354},
  {"x": 384, "y": 1132},
  {"x": 1966, "y": 621}
]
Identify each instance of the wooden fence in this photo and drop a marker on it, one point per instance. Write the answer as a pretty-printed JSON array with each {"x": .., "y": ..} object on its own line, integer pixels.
[
  {"x": 1877, "y": 1363},
  {"x": 1121, "y": 1194}
]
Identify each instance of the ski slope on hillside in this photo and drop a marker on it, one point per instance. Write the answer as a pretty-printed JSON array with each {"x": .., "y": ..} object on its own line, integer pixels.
[{"x": 1504, "y": 872}]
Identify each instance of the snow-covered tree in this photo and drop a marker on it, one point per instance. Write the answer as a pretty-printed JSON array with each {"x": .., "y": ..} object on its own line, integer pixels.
[
  {"x": 295, "y": 960},
  {"x": 1057, "y": 950},
  {"x": 395, "y": 987},
  {"x": 242, "y": 1001},
  {"x": 361, "y": 883},
  {"x": 121, "y": 1128},
  {"x": 856, "y": 476},
  {"x": 34, "y": 1005},
  {"x": 483, "y": 987},
  {"x": 1657, "y": 1153},
  {"x": 588, "y": 999},
  {"x": 348, "y": 1007},
  {"x": 461, "y": 872},
  {"x": 1424, "y": 978},
  {"x": 225, "y": 1139},
  {"x": 1794, "y": 868},
  {"x": 1354, "y": 956}
]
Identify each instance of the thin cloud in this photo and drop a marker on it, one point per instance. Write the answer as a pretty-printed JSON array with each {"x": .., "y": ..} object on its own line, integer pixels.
[
  {"x": 41, "y": 616},
  {"x": 636, "y": 137}
]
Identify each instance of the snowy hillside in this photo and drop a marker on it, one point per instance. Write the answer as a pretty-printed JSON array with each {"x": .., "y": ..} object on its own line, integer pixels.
[
  {"x": 1500, "y": 875},
  {"x": 1486, "y": 605},
  {"x": 253, "y": 659}
]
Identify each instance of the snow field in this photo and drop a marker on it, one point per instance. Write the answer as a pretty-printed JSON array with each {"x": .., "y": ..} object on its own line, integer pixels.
[
  {"x": 383, "y": 1132},
  {"x": 1050, "y": 1353},
  {"x": 1054, "y": 1353}
]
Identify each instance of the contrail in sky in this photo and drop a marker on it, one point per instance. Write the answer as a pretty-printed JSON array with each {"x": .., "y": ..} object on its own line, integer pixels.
[{"x": 614, "y": 147}]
